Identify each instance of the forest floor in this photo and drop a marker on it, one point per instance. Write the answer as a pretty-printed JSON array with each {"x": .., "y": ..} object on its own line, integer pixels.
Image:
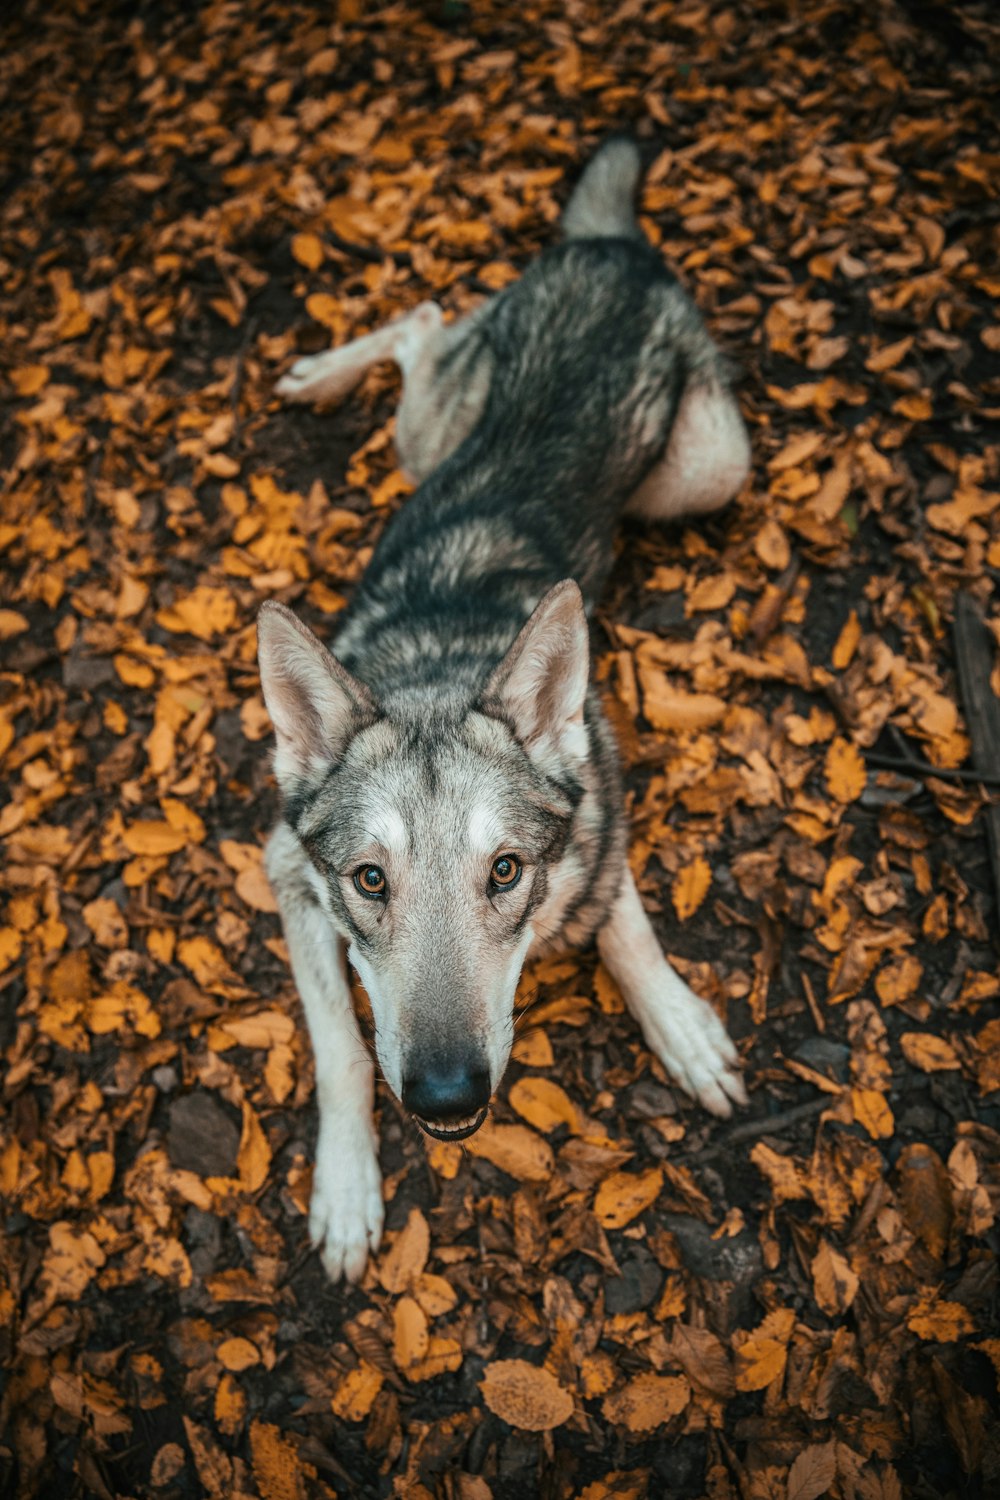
[{"x": 605, "y": 1292}]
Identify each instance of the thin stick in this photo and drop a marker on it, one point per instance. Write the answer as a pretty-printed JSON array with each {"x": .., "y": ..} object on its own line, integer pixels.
[
  {"x": 817, "y": 1015},
  {"x": 922, "y": 769}
]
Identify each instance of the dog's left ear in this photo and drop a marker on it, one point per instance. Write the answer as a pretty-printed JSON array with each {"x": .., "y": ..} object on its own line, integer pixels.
[
  {"x": 541, "y": 685},
  {"x": 316, "y": 706}
]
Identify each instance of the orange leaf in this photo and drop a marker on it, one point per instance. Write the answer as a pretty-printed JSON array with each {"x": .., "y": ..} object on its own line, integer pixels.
[
  {"x": 237, "y": 1354},
  {"x": 845, "y": 771},
  {"x": 406, "y": 1257},
  {"x": 355, "y": 1396},
  {"x": 690, "y": 888},
  {"x": 525, "y": 1396},
  {"x": 932, "y": 1054},
  {"x": 515, "y": 1149},
  {"x": 647, "y": 1401},
  {"x": 308, "y": 250},
  {"x": 544, "y": 1104},
  {"x": 623, "y": 1196}
]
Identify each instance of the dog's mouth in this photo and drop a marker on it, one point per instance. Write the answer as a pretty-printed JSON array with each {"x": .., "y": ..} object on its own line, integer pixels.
[{"x": 452, "y": 1130}]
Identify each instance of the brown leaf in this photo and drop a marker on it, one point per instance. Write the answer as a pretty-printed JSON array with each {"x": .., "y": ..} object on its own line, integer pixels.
[{"x": 525, "y": 1395}]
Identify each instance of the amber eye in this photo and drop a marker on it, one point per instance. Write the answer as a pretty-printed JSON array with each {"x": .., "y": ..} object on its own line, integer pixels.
[
  {"x": 370, "y": 881},
  {"x": 505, "y": 872}
]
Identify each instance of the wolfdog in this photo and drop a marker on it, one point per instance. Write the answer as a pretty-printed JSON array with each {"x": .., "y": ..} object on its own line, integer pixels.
[{"x": 452, "y": 801}]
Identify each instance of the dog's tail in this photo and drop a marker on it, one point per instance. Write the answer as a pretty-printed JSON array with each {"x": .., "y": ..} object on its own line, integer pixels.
[{"x": 602, "y": 204}]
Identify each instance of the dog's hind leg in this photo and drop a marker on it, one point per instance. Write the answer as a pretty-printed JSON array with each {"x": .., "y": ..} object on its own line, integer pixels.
[
  {"x": 706, "y": 462},
  {"x": 679, "y": 1028},
  {"x": 345, "y": 1214},
  {"x": 333, "y": 374},
  {"x": 444, "y": 384}
]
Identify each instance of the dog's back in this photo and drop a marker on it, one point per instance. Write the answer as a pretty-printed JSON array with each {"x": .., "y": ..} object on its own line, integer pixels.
[{"x": 581, "y": 365}]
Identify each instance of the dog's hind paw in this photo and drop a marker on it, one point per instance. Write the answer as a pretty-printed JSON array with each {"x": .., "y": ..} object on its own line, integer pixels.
[
  {"x": 693, "y": 1045},
  {"x": 346, "y": 1210}
]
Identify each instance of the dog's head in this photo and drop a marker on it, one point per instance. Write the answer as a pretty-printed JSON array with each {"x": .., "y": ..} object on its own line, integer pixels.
[{"x": 437, "y": 840}]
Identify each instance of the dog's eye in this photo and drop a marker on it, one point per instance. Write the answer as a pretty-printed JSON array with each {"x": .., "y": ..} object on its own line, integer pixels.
[
  {"x": 505, "y": 872},
  {"x": 370, "y": 881}
]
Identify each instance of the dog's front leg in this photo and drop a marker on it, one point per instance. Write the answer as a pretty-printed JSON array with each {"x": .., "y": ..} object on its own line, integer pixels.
[
  {"x": 345, "y": 1214},
  {"x": 681, "y": 1029}
]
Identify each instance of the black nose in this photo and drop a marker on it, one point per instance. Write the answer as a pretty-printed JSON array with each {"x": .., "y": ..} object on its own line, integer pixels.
[{"x": 443, "y": 1090}]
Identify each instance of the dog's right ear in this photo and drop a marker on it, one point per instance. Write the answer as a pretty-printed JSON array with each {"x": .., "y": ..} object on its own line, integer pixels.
[{"x": 316, "y": 706}]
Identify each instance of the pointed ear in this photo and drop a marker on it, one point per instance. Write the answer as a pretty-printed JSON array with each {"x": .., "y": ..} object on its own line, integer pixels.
[
  {"x": 316, "y": 706},
  {"x": 540, "y": 687}
]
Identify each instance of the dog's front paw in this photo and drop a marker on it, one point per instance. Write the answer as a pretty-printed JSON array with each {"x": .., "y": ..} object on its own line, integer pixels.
[
  {"x": 346, "y": 1210},
  {"x": 694, "y": 1047},
  {"x": 304, "y": 381}
]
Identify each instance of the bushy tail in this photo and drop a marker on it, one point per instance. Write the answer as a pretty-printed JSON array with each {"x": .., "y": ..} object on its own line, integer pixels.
[{"x": 603, "y": 202}]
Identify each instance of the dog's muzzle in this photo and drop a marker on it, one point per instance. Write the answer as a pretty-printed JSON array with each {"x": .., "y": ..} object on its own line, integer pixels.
[{"x": 452, "y": 1130}]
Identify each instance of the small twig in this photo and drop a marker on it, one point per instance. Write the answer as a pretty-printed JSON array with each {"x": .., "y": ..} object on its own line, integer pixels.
[
  {"x": 817, "y": 1015},
  {"x": 922, "y": 769},
  {"x": 774, "y": 1124},
  {"x": 753, "y": 1129}
]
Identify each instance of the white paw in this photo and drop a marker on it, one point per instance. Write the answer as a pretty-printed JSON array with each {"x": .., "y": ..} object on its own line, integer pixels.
[
  {"x": 684, "y": 1032},
  {"x": 346, "y": 1210},
  {"x": 306, "y": 379}
]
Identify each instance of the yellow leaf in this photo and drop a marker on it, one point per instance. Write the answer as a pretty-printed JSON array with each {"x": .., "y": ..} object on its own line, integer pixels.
[
  {"x": 28, "y": 380},
  {"x": 871, "y": 1109},
  {"x": 406, "y": 1257},
  {"x": 623, "y": 1196},
  {"x": 690, "y": 888},
  {"x": 184, "y": 819},
  {"x": 11, "y": 943},
  {"x": 254, "y": 888},
  {"x": 134, "y": 673},
  {"x": 834, "y": 1281},
  {"x": 932, "y": 1054},
  {"x": 525, "y": 1396},
  {"x": 713, "y": 592},
  {"x": 12, "y": 623},
  {"x": 230, "y": 1406},
  {"x": 308, "y": 250},
  {"x": 758, "y": 1362},
  {"x": 410, "y": 1336},
  {"x": 70, "y": 1262},
  {"x": 444, "y": 1356},
  {"x": 544, "y": 1104},
  {"x": 150, "y": 836},
  {"x": 237, "y": 1354},
  {"x": 846, "y": 643},
  {"x": 668, "y": 708},
  {"x": 355, "y": 1396},
  {"x": 515, "y": 1149},
  {"x": 845, "y": 771},
  {"x": 647, "y": 1401},
  {"x": 206, "y": 612},
  {"x": 899, "y": 979},
  {"x": 435, "y": 1295},
  {"x": 206, "y": 963},
  {"x": 106, "y": 922},
  {"x": 276, "y": 1466},
  {"x": 279, "y": 1072},
  {"x": 254, "y": 1159},
  {"x": 943, "y": 1322},
  {"x": 771, "y": 546},
  {"x": 445, "y": 1158}
]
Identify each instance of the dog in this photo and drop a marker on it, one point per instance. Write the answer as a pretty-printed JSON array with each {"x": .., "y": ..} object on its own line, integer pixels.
[{"x": 452, "y": 801}]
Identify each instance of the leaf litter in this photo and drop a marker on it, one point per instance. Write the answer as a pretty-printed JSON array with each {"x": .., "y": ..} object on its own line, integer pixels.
[{"x": 603, "y": 1293}]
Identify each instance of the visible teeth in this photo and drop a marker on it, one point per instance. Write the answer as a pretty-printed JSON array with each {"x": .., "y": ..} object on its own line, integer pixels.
[{"x": 454, "y": 1129}]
